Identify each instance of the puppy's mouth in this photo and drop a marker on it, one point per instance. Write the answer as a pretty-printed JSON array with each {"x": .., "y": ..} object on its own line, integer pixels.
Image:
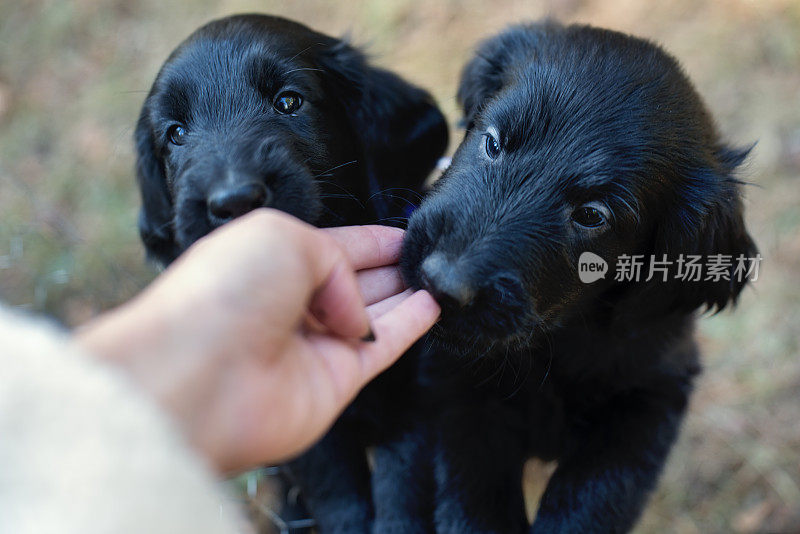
[{"x": 191, "y": 221}]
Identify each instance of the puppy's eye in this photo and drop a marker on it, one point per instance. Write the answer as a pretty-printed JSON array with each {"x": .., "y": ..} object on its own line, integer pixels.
[
  {"x": 492, "y": 146},
  {"x": 288, "y": 102},
  {"x": 591, "y": 215},
  {"x": 176, "y": 134}
]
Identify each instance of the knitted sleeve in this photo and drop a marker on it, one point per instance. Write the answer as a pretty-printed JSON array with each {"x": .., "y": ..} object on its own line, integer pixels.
[{"x": 82, "y": 451}]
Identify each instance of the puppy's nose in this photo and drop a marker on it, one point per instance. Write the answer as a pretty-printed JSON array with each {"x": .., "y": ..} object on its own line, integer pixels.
[
  {"x": 227, "y": 204},
  {"x": 448, "y": 283}
]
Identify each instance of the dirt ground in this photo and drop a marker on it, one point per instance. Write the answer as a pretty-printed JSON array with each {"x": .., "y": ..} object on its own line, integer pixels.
[{"x": 73, "y": 75}]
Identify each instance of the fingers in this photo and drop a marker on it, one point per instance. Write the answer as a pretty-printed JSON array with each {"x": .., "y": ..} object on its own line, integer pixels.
[
  {"x": 380, "y": 283},
  {"x": 379, "y": 308},
  {"x": 338, "y": 304},
  {"x": 316, "y": 267},
  {"x": 350, "y": 366},
  {"x": 368, "y": 249},
  {"x": 396, "y": 331},
  {"x": 368, "y": 246},
  {"x": 326, "y": 280}
]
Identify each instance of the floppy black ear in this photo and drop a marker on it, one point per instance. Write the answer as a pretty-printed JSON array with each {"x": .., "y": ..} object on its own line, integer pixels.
[
  {"x": 401, "y": 131},
  {"x": 155, "y": 216},
  {"x": 709, "y": 222},
  {"x": 484, "y": 75},
  {"x": 480, "y": 79}
]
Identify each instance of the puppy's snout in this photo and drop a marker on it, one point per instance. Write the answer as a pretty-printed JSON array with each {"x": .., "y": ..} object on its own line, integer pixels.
[
  {"x": 231, "y": 202},
  {"x": 447, "y": 281}
]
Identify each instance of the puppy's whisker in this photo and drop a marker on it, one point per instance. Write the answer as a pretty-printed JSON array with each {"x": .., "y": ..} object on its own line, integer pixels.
[
  {"x": 168, "y": 224},
  {"x": 389, "y": 195},
  {"x": 304, "y": 69},
  {"x": 338, "y": 195},
  {"x": 400, "y": 220},
  {"x": 336, "y": 167},
  {"x": 342, "y": 196},
  {"x": 306, "y": 49},
  {"x": 407, "y": 190},
  {"x": 344, "y": 190}
]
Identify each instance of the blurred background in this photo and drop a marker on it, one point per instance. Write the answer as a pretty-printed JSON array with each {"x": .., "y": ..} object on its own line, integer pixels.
[{"x": 73, "y": 76}]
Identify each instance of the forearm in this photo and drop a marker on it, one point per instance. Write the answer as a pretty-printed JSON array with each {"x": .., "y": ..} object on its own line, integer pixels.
[{"x": 140, "y": 340}]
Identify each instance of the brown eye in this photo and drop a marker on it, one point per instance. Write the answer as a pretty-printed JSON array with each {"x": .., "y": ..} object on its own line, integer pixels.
[
  {"x": 288, "y": 102},
  {"x": 590, "y": 216},
  {"x": 176, "y": 134}
]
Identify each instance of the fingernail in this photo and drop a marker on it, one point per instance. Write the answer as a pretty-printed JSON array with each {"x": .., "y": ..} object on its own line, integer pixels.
[{"x": 370, "y": 337}]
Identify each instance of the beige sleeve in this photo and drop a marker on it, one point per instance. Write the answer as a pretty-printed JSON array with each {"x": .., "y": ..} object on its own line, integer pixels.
[{"x": 81, "y": 451}]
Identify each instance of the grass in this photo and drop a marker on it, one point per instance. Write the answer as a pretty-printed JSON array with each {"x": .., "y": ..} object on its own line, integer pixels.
[{"x": 73, "y": 75}]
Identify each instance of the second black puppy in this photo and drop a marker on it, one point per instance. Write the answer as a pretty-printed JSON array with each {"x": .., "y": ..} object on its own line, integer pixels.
[
  {"x": 254, "y": 110},
  {"x": 578, "y": 140}
]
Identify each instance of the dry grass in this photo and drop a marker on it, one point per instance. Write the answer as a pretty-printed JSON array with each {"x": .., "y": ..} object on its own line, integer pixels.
[{"x": 73, "y": 74}]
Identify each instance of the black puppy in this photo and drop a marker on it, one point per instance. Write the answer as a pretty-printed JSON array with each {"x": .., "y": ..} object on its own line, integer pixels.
[
  {"x": 255, "y": 110},
  {"x": 578, "y": 140}
]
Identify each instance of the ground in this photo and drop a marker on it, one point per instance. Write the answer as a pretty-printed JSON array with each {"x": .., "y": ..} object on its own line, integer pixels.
[{"x": 73, "y": 75}]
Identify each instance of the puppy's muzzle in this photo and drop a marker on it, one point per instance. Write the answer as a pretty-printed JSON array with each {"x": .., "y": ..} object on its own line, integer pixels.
[
  {"x": 448, "y": 281},
  {"x": 463, "y": 285}
]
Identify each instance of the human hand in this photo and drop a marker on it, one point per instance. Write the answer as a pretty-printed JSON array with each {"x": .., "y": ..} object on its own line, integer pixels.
[{"x": 251, "y": 339}]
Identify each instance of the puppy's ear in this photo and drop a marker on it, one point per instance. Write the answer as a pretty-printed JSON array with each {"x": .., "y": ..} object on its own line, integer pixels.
[
  {"x": 484, "y": 75},
  {"x": 401, "y": 131},
  {"x": 480, "y": 79},
  {"x": 155, "y": 216},
  {"x": 710, "y": 223}
]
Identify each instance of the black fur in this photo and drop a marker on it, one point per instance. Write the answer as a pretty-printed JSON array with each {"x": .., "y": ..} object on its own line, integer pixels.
[
  {"x": 527, "y": 360},
  {"x": 357, "y": 150}
]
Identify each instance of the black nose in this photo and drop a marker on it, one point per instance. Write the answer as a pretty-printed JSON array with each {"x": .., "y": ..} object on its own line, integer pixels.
[
  {"x": 229, "y": 203},
  {"x": 446, "y": 281}
]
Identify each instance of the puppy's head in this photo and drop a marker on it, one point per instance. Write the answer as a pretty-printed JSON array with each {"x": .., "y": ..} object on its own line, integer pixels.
[
  {"x": 255, "y": 111},
  {"x": 578, "y": 140}
]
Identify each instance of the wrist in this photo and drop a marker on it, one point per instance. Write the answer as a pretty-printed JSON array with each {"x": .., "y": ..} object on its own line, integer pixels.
[{"x": 144, "y": 348}]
